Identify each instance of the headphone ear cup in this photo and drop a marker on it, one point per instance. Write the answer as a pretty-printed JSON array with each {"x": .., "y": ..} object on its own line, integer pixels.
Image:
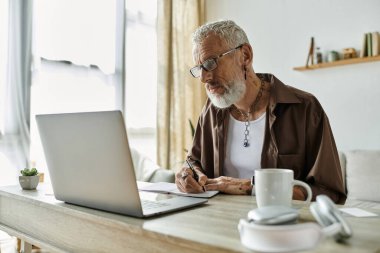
[
  {"x": 326, "y": 214},
  {"x": 321, "y": 218},
  {"x": 328, "y": 208}
]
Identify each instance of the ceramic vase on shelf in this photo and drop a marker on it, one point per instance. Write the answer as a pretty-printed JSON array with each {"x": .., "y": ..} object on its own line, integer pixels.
[{"x": 333, "y": 56}]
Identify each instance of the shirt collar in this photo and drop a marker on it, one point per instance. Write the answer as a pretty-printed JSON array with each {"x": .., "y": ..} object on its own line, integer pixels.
[{"x": 280, "y": 93}]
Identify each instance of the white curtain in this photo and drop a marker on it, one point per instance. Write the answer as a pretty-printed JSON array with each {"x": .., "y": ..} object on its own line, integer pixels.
[{"x": 15, "y": 140}]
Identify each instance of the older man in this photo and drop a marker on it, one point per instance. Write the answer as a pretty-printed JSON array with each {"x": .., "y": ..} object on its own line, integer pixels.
[{"x": 253, "y": 121}]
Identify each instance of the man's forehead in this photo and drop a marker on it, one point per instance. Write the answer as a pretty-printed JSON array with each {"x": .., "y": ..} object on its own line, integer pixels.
[
  {"x": 211, "y": 45},
  {"x": 213, "y": 39}
]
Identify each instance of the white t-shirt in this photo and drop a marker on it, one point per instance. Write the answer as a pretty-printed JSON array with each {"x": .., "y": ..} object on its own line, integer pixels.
[{"x": 240, "y": 161}]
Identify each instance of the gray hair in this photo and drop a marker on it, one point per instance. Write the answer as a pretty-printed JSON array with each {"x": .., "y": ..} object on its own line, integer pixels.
[{"x": 227, "y": 30}]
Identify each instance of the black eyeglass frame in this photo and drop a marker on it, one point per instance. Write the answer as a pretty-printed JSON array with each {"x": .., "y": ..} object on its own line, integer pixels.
[{"x": 215, "y": 59}]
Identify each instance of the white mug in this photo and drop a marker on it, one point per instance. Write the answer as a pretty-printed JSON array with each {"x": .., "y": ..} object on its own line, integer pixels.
[{"x": 275, "y": 187}]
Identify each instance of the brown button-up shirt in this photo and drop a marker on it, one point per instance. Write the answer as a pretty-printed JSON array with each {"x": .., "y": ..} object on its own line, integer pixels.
[{"x": 297, "y": 136}]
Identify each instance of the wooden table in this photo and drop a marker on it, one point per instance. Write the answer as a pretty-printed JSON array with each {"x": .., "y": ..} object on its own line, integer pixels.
[{"x": 39, "y": 219}]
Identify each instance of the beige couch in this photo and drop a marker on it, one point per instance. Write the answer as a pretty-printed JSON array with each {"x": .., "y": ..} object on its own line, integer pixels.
[{"x": 361, "y": 171}]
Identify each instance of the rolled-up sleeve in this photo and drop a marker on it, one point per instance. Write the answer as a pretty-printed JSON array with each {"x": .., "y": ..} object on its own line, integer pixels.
[{"x": 322, "y": 159}]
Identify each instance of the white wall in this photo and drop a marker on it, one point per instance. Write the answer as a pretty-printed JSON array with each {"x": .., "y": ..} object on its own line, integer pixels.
[{"x": 280, "y": 32}]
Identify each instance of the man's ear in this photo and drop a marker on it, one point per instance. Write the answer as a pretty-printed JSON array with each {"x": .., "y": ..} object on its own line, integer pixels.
[{"x": 247, "y": 54}]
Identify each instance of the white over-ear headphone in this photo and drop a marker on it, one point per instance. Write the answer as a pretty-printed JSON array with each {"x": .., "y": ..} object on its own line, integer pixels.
[{"x": 282, "y": 238}]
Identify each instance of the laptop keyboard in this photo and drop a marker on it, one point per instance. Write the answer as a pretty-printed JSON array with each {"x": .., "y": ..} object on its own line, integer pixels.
[{"x": 149, "y": 204}]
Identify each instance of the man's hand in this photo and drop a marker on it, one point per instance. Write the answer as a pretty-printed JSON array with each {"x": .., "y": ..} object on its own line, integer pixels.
[
  {"x": 298, "y": 194},
  {"x": 185, "y": 181},
  {"x": 229, "y": 185}
]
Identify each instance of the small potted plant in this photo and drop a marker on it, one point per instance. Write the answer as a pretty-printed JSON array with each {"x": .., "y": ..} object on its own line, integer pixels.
[{"x": 29, "y": 179}]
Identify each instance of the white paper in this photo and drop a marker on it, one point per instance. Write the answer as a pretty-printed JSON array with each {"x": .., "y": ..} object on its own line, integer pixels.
[
  {"x": 171, "y": 188},
  {"x": 357, "y": 212}
]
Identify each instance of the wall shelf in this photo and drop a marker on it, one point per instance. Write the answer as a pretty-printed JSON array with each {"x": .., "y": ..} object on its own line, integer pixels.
[{"x": 338, "y": 63}]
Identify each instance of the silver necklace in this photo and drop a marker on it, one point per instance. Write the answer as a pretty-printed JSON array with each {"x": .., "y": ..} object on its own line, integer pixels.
[{"x": 248, "y": 114}]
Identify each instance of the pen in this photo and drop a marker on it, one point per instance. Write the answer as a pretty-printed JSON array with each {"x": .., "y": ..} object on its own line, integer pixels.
[
  {"x": 196, "y": 177},
  {"x": 192, "y": 169}
]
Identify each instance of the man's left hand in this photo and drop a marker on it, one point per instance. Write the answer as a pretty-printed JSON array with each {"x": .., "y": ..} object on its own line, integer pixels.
[
  {"x": 298, "y": 193},
  {"x": 229, "y": 185}
]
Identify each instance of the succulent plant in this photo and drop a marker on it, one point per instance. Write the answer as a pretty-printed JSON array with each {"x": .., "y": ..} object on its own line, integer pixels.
[{"x": 29, "y": 172}]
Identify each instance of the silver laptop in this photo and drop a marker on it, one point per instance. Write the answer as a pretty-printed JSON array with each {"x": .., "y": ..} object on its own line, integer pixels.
[{"x": 90, "y": 164}]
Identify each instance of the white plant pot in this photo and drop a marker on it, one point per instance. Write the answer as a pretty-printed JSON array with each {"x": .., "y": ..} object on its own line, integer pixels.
[{"x": 29, "y": 182}]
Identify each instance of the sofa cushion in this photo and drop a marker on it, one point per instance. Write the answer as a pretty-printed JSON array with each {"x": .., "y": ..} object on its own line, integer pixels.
[
  {"x": 144, "y": 167},
  {"x": 342, "y": 160},
  {"x": 162, "y": 175},
  {"x": 363, "y": 175},
  {"x": 148, "y": 171}
]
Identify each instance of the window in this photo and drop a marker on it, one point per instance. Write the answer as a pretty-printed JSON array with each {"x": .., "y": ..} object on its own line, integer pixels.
[
  {"x": 141, "y": 75},
  {"x": 76, "y": 58}
]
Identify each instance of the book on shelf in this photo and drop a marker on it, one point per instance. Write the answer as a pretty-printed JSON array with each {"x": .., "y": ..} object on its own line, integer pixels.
[
  {"x": 375, "y": 43},
  {"x": 369, "y": 44},
  {"x": 363, "y": 52}
]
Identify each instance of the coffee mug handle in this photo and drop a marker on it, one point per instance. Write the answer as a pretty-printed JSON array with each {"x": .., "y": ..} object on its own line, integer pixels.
[{"x": 307, "y": 187}]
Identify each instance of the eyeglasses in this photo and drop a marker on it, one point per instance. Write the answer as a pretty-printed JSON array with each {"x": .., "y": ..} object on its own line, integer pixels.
[{"x": 209, "y": 64}]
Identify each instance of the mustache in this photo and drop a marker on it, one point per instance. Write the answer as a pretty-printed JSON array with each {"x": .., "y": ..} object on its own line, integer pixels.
[{"x": 215, "y": 85}]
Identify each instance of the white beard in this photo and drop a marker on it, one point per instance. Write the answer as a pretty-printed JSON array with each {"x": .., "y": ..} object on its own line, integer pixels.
[{"x": 233, "y": 93}]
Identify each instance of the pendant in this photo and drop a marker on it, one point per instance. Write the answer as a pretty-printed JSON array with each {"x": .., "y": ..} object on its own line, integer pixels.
[{"x": 246, "y": 144}]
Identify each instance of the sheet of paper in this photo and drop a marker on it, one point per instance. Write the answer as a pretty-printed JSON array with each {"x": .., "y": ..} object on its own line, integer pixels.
[
  {"x": 164, "y": 187},
  {"x": 357, "y": 212}
]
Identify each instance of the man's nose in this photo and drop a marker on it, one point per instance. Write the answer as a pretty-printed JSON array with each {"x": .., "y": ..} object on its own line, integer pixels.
[{"x": 205, "y": 76}]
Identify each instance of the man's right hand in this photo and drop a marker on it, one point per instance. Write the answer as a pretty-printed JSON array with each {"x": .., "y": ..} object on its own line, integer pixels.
[{"x": 185, "y": 181}]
